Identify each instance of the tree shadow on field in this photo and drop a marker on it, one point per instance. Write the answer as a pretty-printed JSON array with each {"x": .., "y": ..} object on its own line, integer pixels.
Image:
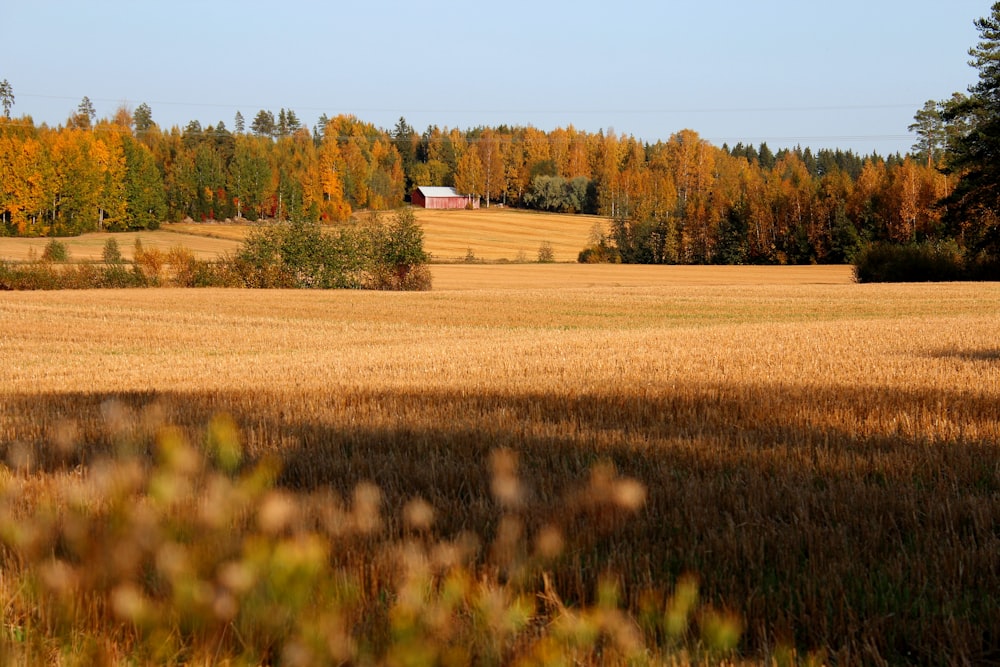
[
  {"x": 865, "y": 522},
  {"x": 985, "y": 354}
]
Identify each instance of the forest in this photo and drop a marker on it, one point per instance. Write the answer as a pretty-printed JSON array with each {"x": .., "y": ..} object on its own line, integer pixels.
[{"x": 683, "y": 200}]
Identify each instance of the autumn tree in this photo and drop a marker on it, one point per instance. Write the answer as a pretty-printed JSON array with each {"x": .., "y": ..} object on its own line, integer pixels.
[
  {"x": 490, "y": 154},
  {"x": 435, "y": 159},
  {"x": 78, "y": 181},
  {"x": 388, "y": 181},
  {"x": 330, "y": 194},
  {"x": 469, "y": 177},
  {"x": 606, "y": 161},
  {"x": 535, "y": 154},
  {"x": 692, "y": 162},
  {"x": 577, "y": 158},
  {"x": 27, "y": 183},
  {"x": 110, "y": 158}
]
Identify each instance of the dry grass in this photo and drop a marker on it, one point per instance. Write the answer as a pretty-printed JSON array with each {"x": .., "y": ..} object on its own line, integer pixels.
[
  {"x": 491, "y": 235},
  {"x": 823, "y": 454},
  {"x": 504, "y": 234},
  {"x": 610, "y": 276},
  {"x": 89, "y": 247}
]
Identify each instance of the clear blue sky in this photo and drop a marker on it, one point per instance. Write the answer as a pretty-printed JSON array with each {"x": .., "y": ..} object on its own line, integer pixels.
[{"x": 847, "y": 74}]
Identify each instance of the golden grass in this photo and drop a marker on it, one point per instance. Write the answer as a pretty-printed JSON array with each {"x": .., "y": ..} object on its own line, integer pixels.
[
  {"x": 823, "y": 454},
  {"x": 504, "y": 234},
  {"x": 90, "y": 247},
  {"x": 611, "y": 276},
  {"x": 490, "y": 234}
]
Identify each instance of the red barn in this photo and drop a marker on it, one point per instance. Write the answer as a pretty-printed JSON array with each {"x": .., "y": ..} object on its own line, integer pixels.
[{"x": 436, "y": 197}]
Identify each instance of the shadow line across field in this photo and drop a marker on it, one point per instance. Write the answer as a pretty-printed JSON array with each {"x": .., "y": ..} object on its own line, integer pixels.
[{"x": 837, "y": 517}]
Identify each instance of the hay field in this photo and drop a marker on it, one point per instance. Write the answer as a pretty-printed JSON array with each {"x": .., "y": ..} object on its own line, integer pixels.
[
  {"x": 491, "y": 235},
  {"x": 207, "y": 242},
  {"x": 824, "y": 455},
  {"x": 496, "y": 234}
]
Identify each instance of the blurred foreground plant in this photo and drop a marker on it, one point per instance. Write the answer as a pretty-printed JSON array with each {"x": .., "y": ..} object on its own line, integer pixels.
[{"x": 195, "y": 556}]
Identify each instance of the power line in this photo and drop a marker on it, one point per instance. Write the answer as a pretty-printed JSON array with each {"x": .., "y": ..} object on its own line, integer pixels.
[{"x": 536, "y": 110}]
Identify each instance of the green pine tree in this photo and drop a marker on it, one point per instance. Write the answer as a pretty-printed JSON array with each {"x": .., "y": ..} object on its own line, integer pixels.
[{"x": 973, "y": 208}]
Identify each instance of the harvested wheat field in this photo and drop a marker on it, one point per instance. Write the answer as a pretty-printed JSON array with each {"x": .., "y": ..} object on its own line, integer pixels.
[
  {"x": 497, "y": 234},
  {"x": 484, "y": 235},
  {"x": 205, "y": 241},
  {"x": 824, "y": 456}
]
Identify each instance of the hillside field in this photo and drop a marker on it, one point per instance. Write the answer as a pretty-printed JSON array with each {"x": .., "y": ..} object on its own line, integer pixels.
[
  {"x": 823, "y": 455},
  {"x": 491, "y": 235},
  {"x": 496, "y": 234}
]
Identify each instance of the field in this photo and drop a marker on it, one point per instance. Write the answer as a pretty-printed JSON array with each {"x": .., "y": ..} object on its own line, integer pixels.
[
  {"x": 207, "y": 243},
  {"x": 822, "y": 455},
  {"x": 491, "y": 235},
  {"x": 497, "y": 234}
]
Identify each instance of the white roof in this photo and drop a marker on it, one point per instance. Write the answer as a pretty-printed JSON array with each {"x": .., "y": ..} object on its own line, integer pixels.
[{"x": 436, "y": 191}]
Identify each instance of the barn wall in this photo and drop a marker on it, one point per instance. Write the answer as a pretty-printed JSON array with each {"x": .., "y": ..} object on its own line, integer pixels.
[
  {"x": 417, "y": 198},
  {"x": 448, "y": 202}
]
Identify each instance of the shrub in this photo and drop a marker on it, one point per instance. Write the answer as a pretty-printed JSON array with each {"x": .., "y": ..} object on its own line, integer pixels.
[
  {"x": 55, "y": 251},
  {"x": 546, "y": 255},
  {"x": 300, "y": 254},
  {"x": 921, "y": 262},
  {"x": 120, "y": 276},
  {"x": 148, "y": 263},
  {"x": 112, "y": 254},
  {"x": 182, "y": 265},
  {"x": 599, "y": 253},
  {"x": 31, "y": 276},
  {"x": 397, "y": 257}
]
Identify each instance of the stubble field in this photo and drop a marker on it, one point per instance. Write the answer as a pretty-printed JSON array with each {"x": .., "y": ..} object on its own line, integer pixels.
[
  {"x": 824, "y": 456},
  {"x": 496, "y": 234}
]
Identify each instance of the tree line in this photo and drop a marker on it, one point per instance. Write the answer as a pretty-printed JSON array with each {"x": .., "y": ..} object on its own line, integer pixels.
[{"x": 682, "y": 200}]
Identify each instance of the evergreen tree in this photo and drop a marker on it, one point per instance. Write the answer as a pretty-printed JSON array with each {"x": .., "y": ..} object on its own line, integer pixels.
[
  {"x": 319, "y": 129},
  {"x": 85, "y": 115},
  {"x": 263, "y": 124},
  {"x": 765, "y": 157},
  {"x": 239, "y": 124},
  {"x": 404, "y": 137},
  {"x": 143, "y": 119},
  {"x": 292, "y": 122},
  {"x": 974, "y": 206},
  {"x": 6, "y": 97},
  {"x": 145, "y": 198},
  {"x": 929, "y": 128}
]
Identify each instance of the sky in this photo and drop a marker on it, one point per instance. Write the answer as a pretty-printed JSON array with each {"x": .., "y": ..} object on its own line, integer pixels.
[{"x": 848, "y": 74}]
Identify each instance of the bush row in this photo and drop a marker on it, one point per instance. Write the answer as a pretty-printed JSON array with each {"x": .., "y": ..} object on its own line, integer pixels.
[
  {"x": 929, "y": 261},
  {"x": 385, "y": 255}
]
